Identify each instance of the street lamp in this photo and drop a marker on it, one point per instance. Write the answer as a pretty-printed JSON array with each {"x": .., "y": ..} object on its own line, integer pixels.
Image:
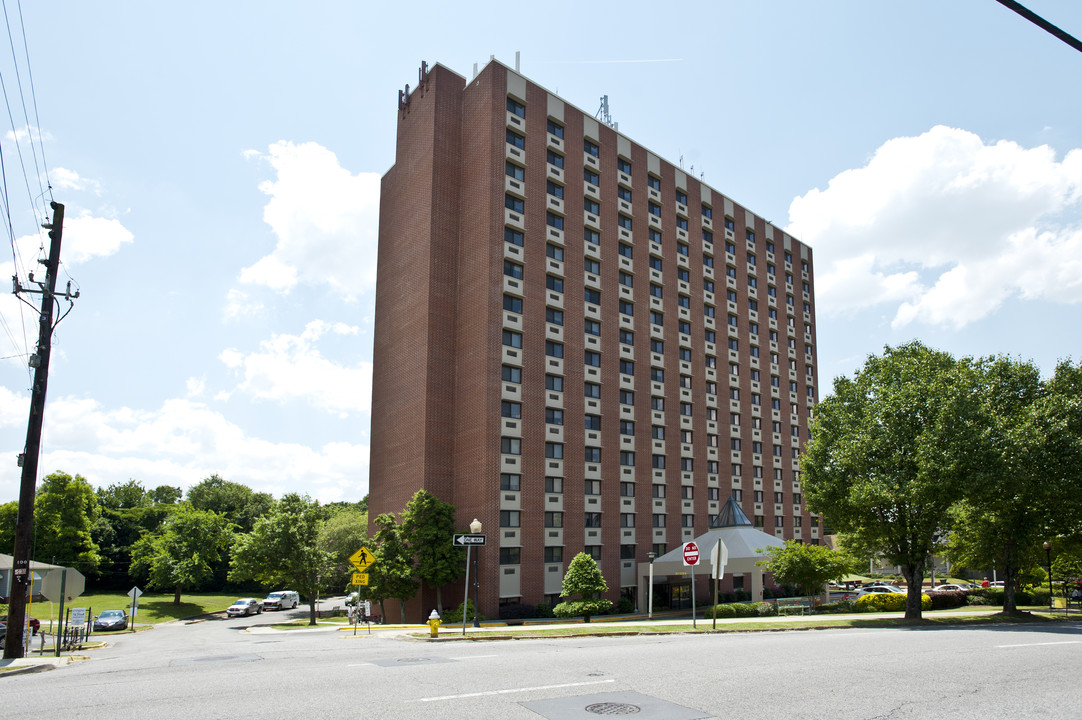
[
  {"x": 650, "y": 592},
  {"x": 475, "y": 528},
  {"x": 1048, "y": 557}
]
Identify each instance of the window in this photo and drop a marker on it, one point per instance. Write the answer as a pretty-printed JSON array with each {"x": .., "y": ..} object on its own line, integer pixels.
[
  {"x": 516, "y": 108},
  {"x": 779, "y": 521},
  {"x": 593, "y": 454},
  {"x": 657, "y": 318},
  {"x": 554, "y": 251},
  {"x": 554, "y": 382},
  {"x": 514, "y": 375},
  {"x": 653, "y": 182},
  {"x": 510, "y": 482},
  {"x": 685, "y": 409},
  {"x": 681, "y": 248},
  {"x": 512, "y": 304},
  {"x": 657, "y": 374},
  {"x": 683, "y": 274},
  {"x": 627, "y": 520},
  {"x": 658, "y": 520},
  {"x": 623, "y": 193},
  {"x": 687, "y": 521},
  {"x": 626, "y": 279},
  {"x": 627, "y": 459},
  {"x": 623, "y": 165},
  {"x": 657, "y": 402},
  {"x": 554, "y": 520},
  {"x": 591, "y": 266},
  {"x": 684, "y": 354},
  {"x": 655, "y": 264},
  {"x": 627, "y": 308},
  {"x": 779, "y": 498},
  {"x": 707, "y": 212},
  {"x": 555, "y": 128},
  {"x": 511, "y": 409},
  {"x": 623, "y": 221},
  {"x": 554, "y": 485},
  {"x": 655, "y": 236},
  {"x": 554, "y": 349},
  {"x": 592, "y": 206},
  {"x": 758, "y": 496},
  {"x": 554, "y": 190},
  {"x": 687, "y": 464},
  {"x": 510, "y": 518},
  {"x": 510, "y": 555},
  {"x": 657, "y": 462},
  {"x": 592, "y": 327},
  {"x": 593, "y": 390},
  {"x": 654, "y": 209},
  {"x": 555, "y": 159},
  {"x": 592, "y": 422},
  {"x": 554, "y": 416},
  {"x": 657, "y": 346},
  {"x": 512, "y": 269},
  {"x": 555, "y": 221},
  {"x": 708, "y": 285},
  {"x": 510, "y": 446},
  {"x": 513, "y": 138},
  {"x": 682, "y": 223},
  {"x": 513, "y": 237},
  {"x": 627, "y": 427},
  {"x": 624, "y": 250},
  {"x": 627, "y": 397},
  {"x": 709, "y": 311},
  {"x": 655, "y": 290},
  {"x": 590, "y": 148},
  {"x": 627, "y": 338},
  {"x": 591, "y": 177},
  {"x": 681, "y": 197},
  {"x": 627, "y": 367},
  {"x": 592, "y": 487},
  {"x": 593, "y": 359},
  {"x": 554, "y": 283},
  {"x": 593, "y": 520},
  {"x": 554, "y": 554},
  {"x": 554, "y": 451},
  {"x": 683, "y": 326},
  {"x": 512, "y": 339},
  {"x": 658, "y": 491},
  {"x": 593, "y": 296},
  {"x": 657, "y": 432},
  {"x": 514, "y": 171}
]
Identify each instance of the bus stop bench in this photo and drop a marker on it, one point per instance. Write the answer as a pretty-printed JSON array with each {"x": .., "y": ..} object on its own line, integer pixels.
[{"x": 786, "y": 605}]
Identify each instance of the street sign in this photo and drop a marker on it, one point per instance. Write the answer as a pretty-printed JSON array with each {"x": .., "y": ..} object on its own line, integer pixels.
[
  {"x": 73, "y": 585},
  {"x": 717, "y": 566},
  {"x": 360, "y": 578},
  {"x": 135, "y": 593},
  {"x": 78, "y": 617},
  {"x": 362, "y": 560},
  {"x": 691, "y": 553},
  {"x": 464, "y": 539}
]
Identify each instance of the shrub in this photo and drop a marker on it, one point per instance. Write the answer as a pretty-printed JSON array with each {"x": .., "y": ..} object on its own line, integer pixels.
[
  {"x": 517, "y": 611},
  {"x": 544, "y": 610},
  {"x": 584, "y": 608},
  {"x": 625, "y": 606},
  {"x": 765, "y": 609},
  {"x": 455, "y": 616},
  {"x": 889, "y": 602},
  {"x": 738, "y": 610},
  {"x": 841, "y": 606},
  {"x": 741, "y": 596},
  {"x": 945, "y": 599}
]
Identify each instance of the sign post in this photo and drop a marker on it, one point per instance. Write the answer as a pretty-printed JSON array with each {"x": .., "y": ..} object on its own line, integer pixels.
[
  {"x": 719, "y": 556},
  {"x": 468, "y": 540},
  {"x": 134, "y": 594},
  {"x": 691, "y": 559}
]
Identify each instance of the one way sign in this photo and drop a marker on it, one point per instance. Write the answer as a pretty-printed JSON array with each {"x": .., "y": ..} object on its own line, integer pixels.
[{"x": 469, "y": 539}]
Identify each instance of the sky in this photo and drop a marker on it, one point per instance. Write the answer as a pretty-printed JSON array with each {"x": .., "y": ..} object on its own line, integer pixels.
[{"x": 219, "y": 164}]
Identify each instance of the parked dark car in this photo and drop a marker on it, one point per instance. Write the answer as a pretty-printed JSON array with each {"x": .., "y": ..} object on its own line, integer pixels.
[
  {"x": 111, "y": 620},
  {"x": 35, "y": 624}
]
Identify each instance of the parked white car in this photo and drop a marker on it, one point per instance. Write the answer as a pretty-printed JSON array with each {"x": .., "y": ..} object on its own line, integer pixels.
[
  {"x": 281, "y": 600},
  {"x": 875, "y": 589},
  {"x": 244, "y": 606}
]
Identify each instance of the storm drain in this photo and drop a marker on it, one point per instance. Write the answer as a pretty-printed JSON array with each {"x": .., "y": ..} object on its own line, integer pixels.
[{"x": 585, "y": 707}]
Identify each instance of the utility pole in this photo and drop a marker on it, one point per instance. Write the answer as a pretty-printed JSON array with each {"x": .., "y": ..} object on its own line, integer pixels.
[{"x": 24, "y": 525}]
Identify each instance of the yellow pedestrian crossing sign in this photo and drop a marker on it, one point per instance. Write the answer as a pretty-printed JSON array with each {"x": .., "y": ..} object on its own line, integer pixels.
[
  {"x": 360, "y": 578},
  {"x": 362, "y": 560}
]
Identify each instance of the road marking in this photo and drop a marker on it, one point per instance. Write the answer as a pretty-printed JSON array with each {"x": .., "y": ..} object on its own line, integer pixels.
[
  {"x": 1061, "y": 642},
  {"x": 511, "y": 690}
]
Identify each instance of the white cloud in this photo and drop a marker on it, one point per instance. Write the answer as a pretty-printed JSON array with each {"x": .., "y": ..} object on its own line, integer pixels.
[
  {"x": 325, "y": 219},
  {"x": 239, "y": 306},
  {"x": 292, "y": 367},
  {"x": 64, "y": 179},
  {"x": 181, "y": 443},
  {"x": 945, "y": 228}
]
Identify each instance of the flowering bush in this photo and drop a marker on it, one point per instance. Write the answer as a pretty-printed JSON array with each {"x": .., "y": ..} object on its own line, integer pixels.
[
  {"x": 889, "y": 602},
  {"x": 735, "y": 610}
]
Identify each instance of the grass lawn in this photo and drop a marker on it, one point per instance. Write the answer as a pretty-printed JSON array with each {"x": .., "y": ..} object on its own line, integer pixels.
[{"x": 153, "y": 607}]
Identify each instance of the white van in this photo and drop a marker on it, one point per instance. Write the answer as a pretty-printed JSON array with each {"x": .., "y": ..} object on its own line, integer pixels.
[{"x": 281, "y": 600}]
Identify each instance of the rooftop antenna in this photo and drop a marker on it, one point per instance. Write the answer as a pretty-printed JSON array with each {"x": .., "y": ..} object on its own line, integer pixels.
[{"x": 603, "y": 111}]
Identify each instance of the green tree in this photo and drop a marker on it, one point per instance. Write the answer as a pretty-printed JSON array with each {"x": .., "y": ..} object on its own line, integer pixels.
[
  {"x": 9, "y": 515},
  {"x": 583, "y": 578},
  {"x": 892, "y": 450},
  {"x": 126, "y": 513},
  {"x": 428, "y": 527},
  {"x": 183, "y": 551},
  {"x": 392, "y": 576},
  {"x": 166, "y": 495},
  {"x": 341, "y": 535},
  {"x": 808, "y": 566},
  {"x": 234, "y": 500},
  {"x": 65, "y": 510},
  {"x": 283, "y": 550}
]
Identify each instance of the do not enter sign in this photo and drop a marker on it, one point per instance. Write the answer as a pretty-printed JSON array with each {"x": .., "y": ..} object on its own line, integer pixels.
[{"x": 691, "y": 553}]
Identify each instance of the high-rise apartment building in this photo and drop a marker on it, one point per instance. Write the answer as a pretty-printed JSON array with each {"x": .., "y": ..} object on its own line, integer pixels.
[{"x": 578, "y": 343}]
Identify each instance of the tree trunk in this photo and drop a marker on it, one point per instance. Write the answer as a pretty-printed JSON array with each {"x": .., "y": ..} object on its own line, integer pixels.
[
  {"x": 914, "y": 578},
  {"x": 312, "y": 611},
  {"x": 439, "y": 601},
  {"x": 1010, "y": 575},
  {"x": 176, "y": 594},
  {"x": 402, "y": 610}
]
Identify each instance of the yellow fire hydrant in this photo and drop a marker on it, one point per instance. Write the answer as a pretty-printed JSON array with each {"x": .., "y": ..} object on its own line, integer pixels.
[{"x": 434, "y": 624}]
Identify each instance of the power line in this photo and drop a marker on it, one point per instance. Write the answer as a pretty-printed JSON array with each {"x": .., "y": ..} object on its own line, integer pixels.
[{"x": 1042, "y": 23}]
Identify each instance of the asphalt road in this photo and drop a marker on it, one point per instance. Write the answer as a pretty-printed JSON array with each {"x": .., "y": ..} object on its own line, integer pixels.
[{"x": 237, "y": 668}]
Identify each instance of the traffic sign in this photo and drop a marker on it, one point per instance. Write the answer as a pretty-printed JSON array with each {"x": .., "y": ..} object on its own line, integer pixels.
[
  {"x": 362, "y": 560},
  {"x": 74, "y": 584},
  {"x": 464, "y": 539},
  {"x": 691, "y": 553},
  {"x": 717, "y": 565},
  {"x": 135, "y": 593},
  {"x": 360, "y": 578}
]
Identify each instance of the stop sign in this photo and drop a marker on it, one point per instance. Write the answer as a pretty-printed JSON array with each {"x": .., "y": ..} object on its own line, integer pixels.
[
  {"x": 691, "y": 553},
  {"x": 73, "y": 585}
]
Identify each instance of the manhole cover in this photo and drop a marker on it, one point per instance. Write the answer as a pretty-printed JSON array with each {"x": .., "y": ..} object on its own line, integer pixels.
[{"x": 609, "y": 708}]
